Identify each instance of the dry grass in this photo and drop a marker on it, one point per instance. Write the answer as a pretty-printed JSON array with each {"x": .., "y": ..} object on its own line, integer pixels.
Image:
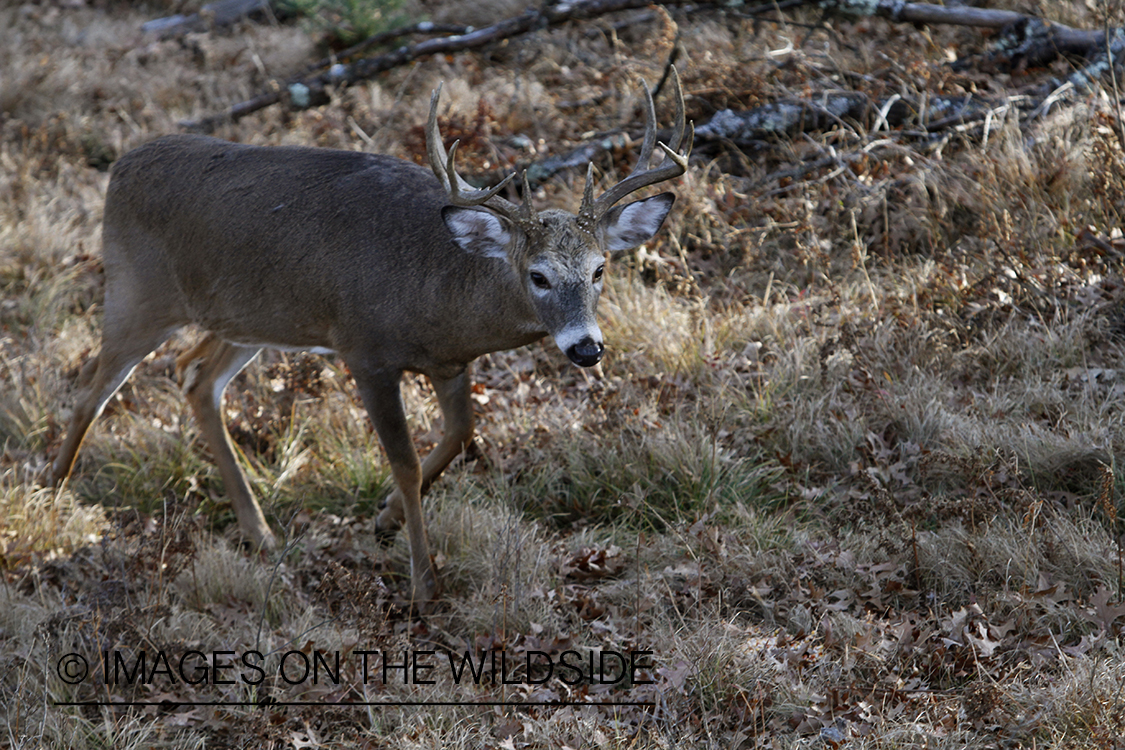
[{"x": 850, "y": 469}]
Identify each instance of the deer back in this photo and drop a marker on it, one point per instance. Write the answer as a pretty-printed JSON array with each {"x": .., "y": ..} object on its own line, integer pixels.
[{"x": 302, "y": 247}]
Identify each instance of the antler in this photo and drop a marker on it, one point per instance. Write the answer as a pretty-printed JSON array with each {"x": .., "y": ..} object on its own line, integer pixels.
[
  {"x": 461, "y": 193},
  {"x": 673, "y": 165}
]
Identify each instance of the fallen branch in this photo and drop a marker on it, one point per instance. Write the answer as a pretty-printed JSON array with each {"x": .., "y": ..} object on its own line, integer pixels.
[
  {"x": 902, "y": 12},
  {"x": 784, "y": 118},
  {"x": 377, "y": 40},
  {"x": 312, "y": 90},
  {"x": 1025, "y": 41},
  {"x": 929, "y": 114}
]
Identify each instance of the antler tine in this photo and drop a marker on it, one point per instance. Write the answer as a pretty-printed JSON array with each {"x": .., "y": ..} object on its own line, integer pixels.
[
  {"x": 690, "y": 139},
  {"x": 525, "y": 214},
  {"x": 679, "y": 159},
  {"x": 678, "y": 127},
  {"x": 434, "y": 150},
  {"x": 461, "y": 193},
  {"x": 673, "y": 165},
  {"x": 650, "y": 129}
]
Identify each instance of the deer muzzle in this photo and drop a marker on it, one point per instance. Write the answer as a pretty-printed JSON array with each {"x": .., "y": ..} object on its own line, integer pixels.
[{"x": 586, "y": 353}]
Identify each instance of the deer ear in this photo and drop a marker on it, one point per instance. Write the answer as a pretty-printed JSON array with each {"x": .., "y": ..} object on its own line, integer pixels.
[
  {"x": 637, "y": 222},
  {"x": 478, "y": 232}
]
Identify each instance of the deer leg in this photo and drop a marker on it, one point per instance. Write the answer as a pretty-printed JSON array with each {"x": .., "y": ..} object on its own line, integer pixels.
[
  {"x": 457, "y": 412},
  {"x": 205, "y": 370},
  {"x": 380, "y": 392},
  {"x": 122, "y": 351}
]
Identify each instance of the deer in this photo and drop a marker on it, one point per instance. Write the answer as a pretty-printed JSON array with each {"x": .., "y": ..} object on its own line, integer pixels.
[{"x": 390, "y": 266}]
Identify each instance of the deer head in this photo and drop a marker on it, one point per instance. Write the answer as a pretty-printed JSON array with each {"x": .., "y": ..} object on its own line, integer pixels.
[{"x": 559, "y": 257}]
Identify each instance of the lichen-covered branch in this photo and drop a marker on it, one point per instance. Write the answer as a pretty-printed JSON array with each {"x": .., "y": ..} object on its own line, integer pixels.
[{"x": 928, "y": 115}]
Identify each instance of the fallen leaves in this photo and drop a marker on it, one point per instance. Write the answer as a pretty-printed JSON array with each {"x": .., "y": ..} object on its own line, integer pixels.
[{"x": 591, "y": 564}]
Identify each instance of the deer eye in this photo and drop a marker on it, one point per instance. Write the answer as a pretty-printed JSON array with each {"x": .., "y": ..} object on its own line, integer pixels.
[
  {"x": 599, "y": 273},
  {"x": 540, "y": 280}
]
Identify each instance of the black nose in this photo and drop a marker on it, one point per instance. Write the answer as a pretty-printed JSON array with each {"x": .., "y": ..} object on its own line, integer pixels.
[{"x": 586, "y": 353}]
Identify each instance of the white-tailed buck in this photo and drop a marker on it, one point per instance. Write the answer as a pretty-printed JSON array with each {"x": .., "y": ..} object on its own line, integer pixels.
[{"x": 363, "y": 255}]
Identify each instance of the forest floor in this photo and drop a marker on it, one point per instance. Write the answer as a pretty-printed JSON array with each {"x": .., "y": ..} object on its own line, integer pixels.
[{"x": 846, "y": 477}]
